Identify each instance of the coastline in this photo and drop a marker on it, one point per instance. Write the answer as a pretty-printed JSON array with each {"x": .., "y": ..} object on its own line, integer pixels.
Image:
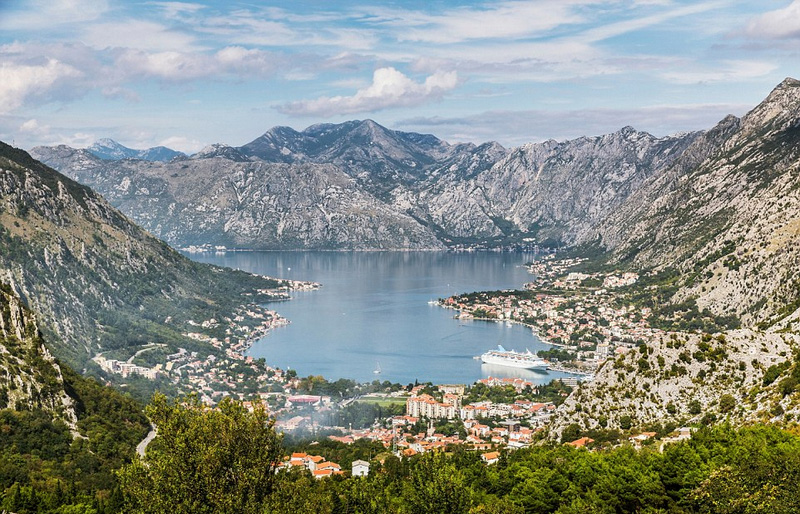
[
  {"x": 534, "y": 330},
  {"x": 277, "y": 320}
]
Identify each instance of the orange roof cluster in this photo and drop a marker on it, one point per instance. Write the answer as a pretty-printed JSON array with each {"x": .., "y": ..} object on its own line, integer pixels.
[
  {"x": 580, "y": 443},
  {"x": 315, "y": 463}
]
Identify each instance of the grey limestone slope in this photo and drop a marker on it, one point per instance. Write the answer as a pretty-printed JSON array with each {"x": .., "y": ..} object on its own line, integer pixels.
[
  {"x": 552, "y": 190},
  {"x": 360, "y": 185},
  {"x": 251, "y": 204},
  {"x": 725, "y": 215}
]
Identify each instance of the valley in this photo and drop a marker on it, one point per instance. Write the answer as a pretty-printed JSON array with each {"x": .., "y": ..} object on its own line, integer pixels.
[
  {"x": 484, "y": 257},
  {"x": 663, "y": 303}
]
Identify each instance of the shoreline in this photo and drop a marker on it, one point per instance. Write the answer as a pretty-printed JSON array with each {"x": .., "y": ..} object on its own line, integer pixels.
[
  {"x": 535, "y": 332},
  {"x": 202, "y": 250}
]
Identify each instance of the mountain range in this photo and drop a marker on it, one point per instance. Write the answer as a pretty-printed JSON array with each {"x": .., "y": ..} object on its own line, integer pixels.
[
  {"x": 716, "y": 207},
  {"x": 358, "y": 185},
  {"x": 109, "y": 149},
  {"x": 710, "y": 219}
]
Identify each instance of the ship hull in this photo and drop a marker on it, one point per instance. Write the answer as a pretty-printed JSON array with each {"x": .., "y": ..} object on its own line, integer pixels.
[{"x": 497, "y": 360}]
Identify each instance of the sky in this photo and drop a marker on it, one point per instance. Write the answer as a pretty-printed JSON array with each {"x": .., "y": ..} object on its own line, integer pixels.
[{"x": 189, "y": 74}]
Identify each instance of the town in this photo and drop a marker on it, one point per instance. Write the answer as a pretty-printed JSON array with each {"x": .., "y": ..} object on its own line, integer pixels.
[{"x": 577, "y": 313}]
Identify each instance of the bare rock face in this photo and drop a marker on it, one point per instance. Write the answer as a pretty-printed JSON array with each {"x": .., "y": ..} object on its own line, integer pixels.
[
  {"x": 554, "y": 191},
  {"x": 253, "y": 204},
  {"x": 680, "y": 378},
  {"x": 30, "y": 378},
  {"x": 725, "y": 215},
  {"x": 358, "y": 185}
]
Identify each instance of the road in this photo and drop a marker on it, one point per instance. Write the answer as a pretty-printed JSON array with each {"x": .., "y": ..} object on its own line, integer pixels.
[{"x": 142, "y": 446}]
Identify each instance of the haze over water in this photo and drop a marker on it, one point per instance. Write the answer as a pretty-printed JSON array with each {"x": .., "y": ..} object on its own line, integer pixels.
[{"x": 372, "y": 310}]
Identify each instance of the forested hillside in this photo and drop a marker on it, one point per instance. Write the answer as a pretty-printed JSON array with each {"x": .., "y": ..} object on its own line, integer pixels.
[
  {"x": 97, "y": 281},
  {"x": 61, "y": 435},
  {"x": 720, "y": 469}
]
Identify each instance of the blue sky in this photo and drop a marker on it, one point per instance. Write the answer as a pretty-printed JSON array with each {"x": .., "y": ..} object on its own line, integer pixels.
[{"x": 187, "y": 74}]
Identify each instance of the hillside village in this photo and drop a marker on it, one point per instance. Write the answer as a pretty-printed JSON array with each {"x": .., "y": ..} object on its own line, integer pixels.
[{"x": 488, "y": 428}]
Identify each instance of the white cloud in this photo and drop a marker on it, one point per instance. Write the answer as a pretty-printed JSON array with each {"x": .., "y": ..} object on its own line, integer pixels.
[
  {"x": 178, "y": 9},
  {"x": 492, "y": 21},
  {"x": 137, "y": 34},
  {"x": 270, "y": 28},
  {"x": 521, "y": 62},
  {"x": 779, "y": 24},
  {"x": 33, "y": 127},
  {"x": 389, "y": 88},
  {"x": 18, "y": 82},
  {"x": 623, "y": 27},
  {"x": 53, "y": 13},
  {"x": 184, "y": 67},
  {"x": 75, "y": 140},
  {"x": 513, "y": 128},
  {"x": 182, "y": 144},
  {"x": 730, "y": 71}
]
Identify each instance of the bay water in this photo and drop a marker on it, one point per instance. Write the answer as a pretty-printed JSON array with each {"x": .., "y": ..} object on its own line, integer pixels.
[{"x": 372, "y": 313}]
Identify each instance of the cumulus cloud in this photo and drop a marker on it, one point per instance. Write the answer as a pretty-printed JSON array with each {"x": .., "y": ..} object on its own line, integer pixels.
[
  {"x": 779, "y": 24},
  {"x": 33, "y": 127},
  {"x": 71, "y": 70},
  {"x": 389, "y": 88},
  {"x": 18, "y": 82}
]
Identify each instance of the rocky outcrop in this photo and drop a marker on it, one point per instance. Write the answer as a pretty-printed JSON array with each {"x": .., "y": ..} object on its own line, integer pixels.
[
  {"x": 30, "y": 378},
  {"x": 680, "y": 379},
  {"x": 725, "y": 216}
]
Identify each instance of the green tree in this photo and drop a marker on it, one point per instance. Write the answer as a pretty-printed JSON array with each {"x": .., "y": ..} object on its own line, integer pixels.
[
  {"x": 203, "y": 460},
  {"x": 436, "y": 487},
  {"x": 726, "y": 403}
]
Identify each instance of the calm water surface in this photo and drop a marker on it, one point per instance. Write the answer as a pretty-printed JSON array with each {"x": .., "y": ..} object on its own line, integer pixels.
[{"x": 372, "y": 311}]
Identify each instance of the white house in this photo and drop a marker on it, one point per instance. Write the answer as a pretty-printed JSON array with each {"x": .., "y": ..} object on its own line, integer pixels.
[{"x": 360, "y": 468}]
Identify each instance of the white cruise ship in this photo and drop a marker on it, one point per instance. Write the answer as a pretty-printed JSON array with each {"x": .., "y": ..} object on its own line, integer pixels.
[{"x": 512, "y": 359}]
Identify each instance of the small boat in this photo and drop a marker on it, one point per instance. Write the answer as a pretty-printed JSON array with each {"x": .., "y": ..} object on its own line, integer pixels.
[{"x": 377, "y": 370}]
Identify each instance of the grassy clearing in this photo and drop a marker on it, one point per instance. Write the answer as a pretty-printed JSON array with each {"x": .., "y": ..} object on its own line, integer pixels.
[{"x": 382, "y": 401}]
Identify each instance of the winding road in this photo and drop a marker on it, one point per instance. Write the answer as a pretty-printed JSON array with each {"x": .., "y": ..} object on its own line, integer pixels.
[{"x": 142, "y": 446}]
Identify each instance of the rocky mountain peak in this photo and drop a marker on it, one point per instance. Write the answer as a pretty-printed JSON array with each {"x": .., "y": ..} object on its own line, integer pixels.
[
  {"x": 113, "y": 151},
  {"x": 220, "y": 150},
  {"x": 780, "y": 109}
]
